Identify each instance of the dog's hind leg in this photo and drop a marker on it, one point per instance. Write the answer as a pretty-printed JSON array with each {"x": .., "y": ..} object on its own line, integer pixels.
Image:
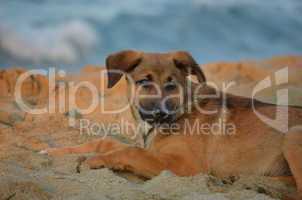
[
  {"x": 292, "y": 150},
  {"x": 99, "y": 146}
]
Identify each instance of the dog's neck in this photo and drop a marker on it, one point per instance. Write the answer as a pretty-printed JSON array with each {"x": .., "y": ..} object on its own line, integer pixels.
[{"x": 143, "y": 128}]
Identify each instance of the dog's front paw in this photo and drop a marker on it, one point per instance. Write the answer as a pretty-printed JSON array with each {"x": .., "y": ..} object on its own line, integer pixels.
[
  {"x": 96, "y": 162},
  {"x": 90, "y": 163},
  {"x": 82, "y": 165}
]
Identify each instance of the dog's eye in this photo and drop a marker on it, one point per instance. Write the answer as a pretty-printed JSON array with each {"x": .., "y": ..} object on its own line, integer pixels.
[
  {"x": 142, "y": 82},
  {"x": 170, "y": 85},
  {"x": 145, "y": 83}
]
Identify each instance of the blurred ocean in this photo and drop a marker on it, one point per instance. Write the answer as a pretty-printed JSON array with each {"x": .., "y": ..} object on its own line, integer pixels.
[{"x": 69, "y": 34}]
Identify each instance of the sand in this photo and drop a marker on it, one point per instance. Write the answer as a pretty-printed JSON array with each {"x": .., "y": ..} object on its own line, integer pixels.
[{"x": 25, "y": 174}]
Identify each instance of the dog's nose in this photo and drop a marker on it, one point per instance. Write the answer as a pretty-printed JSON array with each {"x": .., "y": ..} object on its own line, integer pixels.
[{"x": 160, "y": 114}]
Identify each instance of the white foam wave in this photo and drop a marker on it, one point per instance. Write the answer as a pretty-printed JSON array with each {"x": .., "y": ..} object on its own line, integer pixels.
[{"x": 64, "y": 43}]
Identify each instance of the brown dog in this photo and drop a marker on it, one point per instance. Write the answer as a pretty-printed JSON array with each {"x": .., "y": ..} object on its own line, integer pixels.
[{"x": 230, "y": 139}]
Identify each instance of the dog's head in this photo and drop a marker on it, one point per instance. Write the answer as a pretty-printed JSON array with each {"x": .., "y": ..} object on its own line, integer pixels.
[{"x": 159, "y": 81}]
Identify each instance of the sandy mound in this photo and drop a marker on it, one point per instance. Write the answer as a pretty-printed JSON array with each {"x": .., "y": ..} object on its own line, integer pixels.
[
  {"x": 57, "y": 179},
  {"x": 247, "y": 74},
  {"x": 24, "y": 174}
]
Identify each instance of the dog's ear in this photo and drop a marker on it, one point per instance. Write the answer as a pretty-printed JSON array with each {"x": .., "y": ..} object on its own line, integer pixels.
[
  {"x": 185, "y": 62},
  {"x": 123, "y": 61}
]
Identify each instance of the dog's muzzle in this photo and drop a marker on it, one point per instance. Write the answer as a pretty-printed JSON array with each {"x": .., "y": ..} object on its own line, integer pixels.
[{"x": 157, "y": 116}]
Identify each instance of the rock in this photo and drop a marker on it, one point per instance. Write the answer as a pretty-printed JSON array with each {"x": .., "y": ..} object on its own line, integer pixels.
[
  {"x": 36, "y": 86},
  {"x": 10, "y": 114}
]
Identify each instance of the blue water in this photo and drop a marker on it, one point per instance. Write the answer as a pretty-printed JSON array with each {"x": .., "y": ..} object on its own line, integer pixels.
[{"x": 69, "y": 34}]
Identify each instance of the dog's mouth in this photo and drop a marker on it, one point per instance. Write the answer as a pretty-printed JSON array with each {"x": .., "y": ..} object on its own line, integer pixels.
[{"x": 157, "y": 118}]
